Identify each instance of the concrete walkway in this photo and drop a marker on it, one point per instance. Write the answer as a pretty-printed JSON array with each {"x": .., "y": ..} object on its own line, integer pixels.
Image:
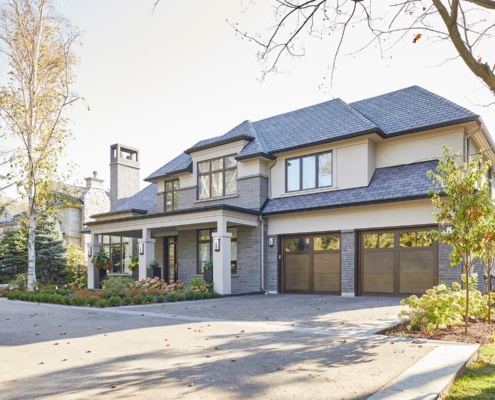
[{"x": 259, "y": 346}]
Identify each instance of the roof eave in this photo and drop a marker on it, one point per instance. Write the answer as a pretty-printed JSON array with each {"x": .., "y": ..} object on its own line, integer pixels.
[
  {"x": 218, "y": 143},
  {"x": 347, "y": 205},
  {"x": 154, "y": 179},
  {"x": 255, "y": 155},
  {"x": 435, "y": 126}
]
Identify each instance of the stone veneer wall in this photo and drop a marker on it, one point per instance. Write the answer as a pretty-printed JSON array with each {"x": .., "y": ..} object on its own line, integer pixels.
[
  {"x": 271, "y": 264},
  {"x": 70, "y": 224},
  {"x": 252, "y": 193},
  {"x": 248, "y": 278},
  {"x": 348, "y": 251},
  {"x": 187, "y": 255}
]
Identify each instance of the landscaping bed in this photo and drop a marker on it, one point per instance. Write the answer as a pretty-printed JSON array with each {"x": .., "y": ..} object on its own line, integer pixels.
[
  {"x": 478, "y": 333},
  {"x": 120, "y": 291}
]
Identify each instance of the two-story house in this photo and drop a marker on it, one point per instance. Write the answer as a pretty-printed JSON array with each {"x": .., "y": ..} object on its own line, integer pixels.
[{"x": 331, "y": 198}]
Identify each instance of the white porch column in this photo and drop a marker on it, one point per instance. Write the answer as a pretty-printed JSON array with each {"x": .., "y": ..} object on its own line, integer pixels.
[
  {"x": 93, "y": 247},
  {"x": 221, "y": 258},
  {"x": 146, "y": 247}
]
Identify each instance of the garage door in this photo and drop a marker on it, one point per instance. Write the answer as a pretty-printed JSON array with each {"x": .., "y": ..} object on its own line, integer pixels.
[
  {"x": 398, "y": 262},
  {"x": 311, "y": 264}
]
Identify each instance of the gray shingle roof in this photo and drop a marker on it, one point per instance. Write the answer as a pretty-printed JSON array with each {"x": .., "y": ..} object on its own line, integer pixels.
[
  {"x": 403, "y": 111},
  {"x": 411, "y": 109},
  {"x": 181, "y": 163},
  {"x": 143, "y": 200},
  {"x": 389, "y": 184}
]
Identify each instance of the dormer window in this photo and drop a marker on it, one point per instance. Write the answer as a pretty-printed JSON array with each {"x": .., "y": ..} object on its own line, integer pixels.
[
  {"x": 171, "y": 195},
  {"x": 309, "y": 172},
  {"x": 217, "y": 177}
]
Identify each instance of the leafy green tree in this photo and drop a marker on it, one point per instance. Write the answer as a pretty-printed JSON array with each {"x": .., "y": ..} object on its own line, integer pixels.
[
  {"x": 51, "y": 252},
  {"x": 460, "y": 206},
  {"x": 36, "y": 54},
  {"x": 488, "y": 253},
  {"x": 13, "y": 253}
]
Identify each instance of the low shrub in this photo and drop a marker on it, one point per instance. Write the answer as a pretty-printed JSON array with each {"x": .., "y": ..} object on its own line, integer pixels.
[
  {"x": 117, "y": 285},
  {"x": 127, "y": 301},
  {"x": 443, "y": 306},
  {"x": 171, "y": 297},
  {"x": 150, "y": 299},
  {"x": 188, "y": 295},
  {"x": 114, "y": 301},
  {"x": 198, "y": 285},
  {"x": 199, "y": 296},
  {"x": 102, "y": 303},
  {"x": 180, "y": 297},
  {"x": 160, "y": 298},
  {"x": 139, "y": 299}
]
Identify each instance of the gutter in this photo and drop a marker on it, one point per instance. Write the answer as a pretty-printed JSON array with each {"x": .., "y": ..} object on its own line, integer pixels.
[{"x": 262, "y": 254}]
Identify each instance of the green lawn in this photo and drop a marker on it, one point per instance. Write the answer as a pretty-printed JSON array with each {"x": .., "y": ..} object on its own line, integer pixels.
[{"x": 478, "y": 382}]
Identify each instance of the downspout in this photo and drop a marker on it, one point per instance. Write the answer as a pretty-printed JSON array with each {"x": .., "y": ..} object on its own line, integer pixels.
[
  {"x": 263, "y": 228},
  {"x": 262, "y": 254}
]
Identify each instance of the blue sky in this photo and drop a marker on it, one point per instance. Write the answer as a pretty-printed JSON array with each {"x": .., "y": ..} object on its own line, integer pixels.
[{"x": 163, "y": 81}]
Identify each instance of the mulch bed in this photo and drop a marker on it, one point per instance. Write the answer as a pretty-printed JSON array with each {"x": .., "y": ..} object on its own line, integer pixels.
[{"x": 478, "y": 332}]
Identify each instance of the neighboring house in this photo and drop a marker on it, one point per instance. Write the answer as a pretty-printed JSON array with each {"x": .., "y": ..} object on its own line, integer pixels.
[
  {"x": 9, "y": 215},
  {"x": 82, "y": 202},
  {"x": 331, "y": 198}
]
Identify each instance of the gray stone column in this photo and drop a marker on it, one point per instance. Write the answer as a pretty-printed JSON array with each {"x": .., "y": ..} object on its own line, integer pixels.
[
  {"x": 146, "y": 247},
  {"x": 348, "y": 263},
  {"x": 222, "y": 281}
]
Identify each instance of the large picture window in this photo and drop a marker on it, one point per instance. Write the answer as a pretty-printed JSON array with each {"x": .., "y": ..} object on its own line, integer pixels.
[
  {"x": 171, "y": 195},
  {"x": 118, "y": 249},
  {"x": 205, "y": 255},
  {"x": 309, "y": 172},
  {"x": 217, "y": 177}
]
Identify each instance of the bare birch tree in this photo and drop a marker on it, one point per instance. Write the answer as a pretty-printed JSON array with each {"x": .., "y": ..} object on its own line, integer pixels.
[{"x": 36, "y": 46}]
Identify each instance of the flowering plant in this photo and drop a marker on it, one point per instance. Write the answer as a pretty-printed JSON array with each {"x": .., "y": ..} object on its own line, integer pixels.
[{"x": 134, "y": 262}]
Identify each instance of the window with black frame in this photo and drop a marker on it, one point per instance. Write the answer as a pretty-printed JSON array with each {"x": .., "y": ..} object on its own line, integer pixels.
[
  {"x": 309, "y": 172},
  {"x": 205, "y": 246},
  {"x": 217, "y": 177},
  {"x": 171, "y": 195}
]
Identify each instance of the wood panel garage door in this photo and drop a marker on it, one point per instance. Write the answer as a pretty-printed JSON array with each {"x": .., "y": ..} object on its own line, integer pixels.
[
  {"x": 311, "y": 264},
  {"x": 398, "y": 262}
]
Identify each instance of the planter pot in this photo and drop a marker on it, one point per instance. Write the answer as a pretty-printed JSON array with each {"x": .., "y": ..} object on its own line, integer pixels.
[
  {"x": 101, "y": 275},
  {"x": 208, "y": 275},
  {"x": 157, "y": 271}
]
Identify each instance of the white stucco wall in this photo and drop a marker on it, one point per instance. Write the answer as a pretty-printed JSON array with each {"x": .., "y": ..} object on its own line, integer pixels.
[{"x": 418, "y": 212}]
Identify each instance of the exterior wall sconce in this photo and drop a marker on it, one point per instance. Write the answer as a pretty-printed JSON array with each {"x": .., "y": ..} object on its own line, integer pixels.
[
  {"x": 141, "y": 248},
  {"x": 90, "y": 251},
  {"x": 216, "y": 244},
  {"x": 271, "y": 242}
]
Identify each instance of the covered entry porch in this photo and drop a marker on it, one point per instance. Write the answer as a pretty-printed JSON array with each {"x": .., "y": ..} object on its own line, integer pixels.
[{"x": 172, "y": 239}]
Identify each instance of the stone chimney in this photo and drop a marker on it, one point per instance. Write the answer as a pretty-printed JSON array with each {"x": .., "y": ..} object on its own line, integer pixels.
[
  {"x": 94, "y": 182},
  {"x": 124, "y": 173}
]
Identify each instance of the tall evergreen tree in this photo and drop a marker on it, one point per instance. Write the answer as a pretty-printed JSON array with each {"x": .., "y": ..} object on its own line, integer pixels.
[
  {"x": 13, "y": 254},
  {"x": 51, "y": 252}
]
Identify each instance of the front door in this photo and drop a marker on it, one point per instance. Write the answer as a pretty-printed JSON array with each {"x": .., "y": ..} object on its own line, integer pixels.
[{"x": 170, "y": 257}]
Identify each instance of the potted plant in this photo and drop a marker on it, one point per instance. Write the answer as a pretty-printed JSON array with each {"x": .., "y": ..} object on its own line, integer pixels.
[
  {"x": 134, "y": 262},
  {"x": 208, "y": 272},
  {"x": 102, "y": 262},
  {"x": 157, "y": 271}
]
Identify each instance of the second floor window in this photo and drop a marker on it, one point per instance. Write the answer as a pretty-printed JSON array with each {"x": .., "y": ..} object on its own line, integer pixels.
[
  {"x": 309, "y": 172},
  {"x": 217, "y": 177},
  {"x": 171, "y": 195}
]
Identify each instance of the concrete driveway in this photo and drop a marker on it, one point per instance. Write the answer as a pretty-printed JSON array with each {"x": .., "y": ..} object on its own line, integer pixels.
[{"x": 258, "y": 346}]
